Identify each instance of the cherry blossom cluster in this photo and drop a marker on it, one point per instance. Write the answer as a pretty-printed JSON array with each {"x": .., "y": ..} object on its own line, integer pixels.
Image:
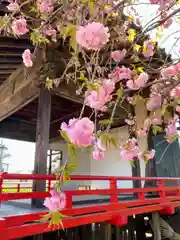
[
  {"x": 56, "y": 202},
  {"x": 130, "y": 151},
  {"x": 125, "y": 74}
]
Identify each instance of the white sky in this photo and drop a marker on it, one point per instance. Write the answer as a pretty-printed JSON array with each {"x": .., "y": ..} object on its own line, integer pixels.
[
  {"x": 23, "y": 152},
  {"x": 22, "y": 155}
]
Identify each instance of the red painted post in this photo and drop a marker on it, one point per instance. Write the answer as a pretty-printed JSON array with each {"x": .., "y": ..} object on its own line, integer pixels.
[
  {"x": 49, "y": 185},
  {"x": 68, "y": 200},
  {"x": 18, "y": 187},
  {"x": 162, "y": 193},
  {"x": 141, "y": 196},
  {"x": 1, "y": 187},
  {"x": 113, "y": 186}
]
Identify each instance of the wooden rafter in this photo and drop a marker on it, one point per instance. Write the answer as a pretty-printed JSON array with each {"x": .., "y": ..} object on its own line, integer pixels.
[{"x": 19, "y": 89}]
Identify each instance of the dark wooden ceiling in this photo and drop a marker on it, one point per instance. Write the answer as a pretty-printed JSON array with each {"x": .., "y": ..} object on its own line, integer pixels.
[
  {"x": 22, "y": 124},
  {"x": 11, "y": 49}
]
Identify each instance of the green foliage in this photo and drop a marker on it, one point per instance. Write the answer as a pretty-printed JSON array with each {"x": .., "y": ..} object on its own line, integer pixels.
[
  {"x": 70, "y": 31},
  {"x": 105, "y": 122},
  {"x": 5, "y": 23},
  {"x": 91, "y": 6},
  {"x": 82, "y": 77},
  {"x": 72, "y": 151},
  {"x": 132, "y": 163},
  {"x": 156, "y": 129},
  {"x": 37, "y": 38},
  {"x": 65, "y": 173},
  {"x": 120, "y": 92},
  {"x": 107, "y": 139},
  {"x": 71, "y": 147},
  {"x": 49, "y": 83},
  {"x": 65, "y": 136},
  {"x": 54, "y": 219}
]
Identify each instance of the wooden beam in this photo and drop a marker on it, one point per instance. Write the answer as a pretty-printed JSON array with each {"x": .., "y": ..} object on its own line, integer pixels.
[
  {"x": 68, "y": 91},
  {"x": 19, "y": 89},
  {"x": 10, "y": 60},
  {"x": 11, "y": 53},
  {"x": 15, "y": 129},
  {"x": 9, "y": 66},
  {"x": 42, "y": 141},
  {"x": 15, "y": 44},
  {"x": 5, "y": 71}
]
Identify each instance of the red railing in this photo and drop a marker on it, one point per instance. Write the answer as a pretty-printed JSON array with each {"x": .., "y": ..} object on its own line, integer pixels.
[{"x": 114, "y": 212}]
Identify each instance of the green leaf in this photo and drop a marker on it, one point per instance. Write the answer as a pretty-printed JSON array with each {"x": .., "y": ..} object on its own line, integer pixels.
[
  {"x": 72, "y": 151},
  {"x": 46, "y": 217},
  {"x": 156, "y": 129},
  {"x": 65, "y": 136},
  {"x": 48, "y": 83},
  {"x": 132, "y": 163},
  {"x": 105, "y": 122},
  {"x": 107, "y": 139},
  {"x": 56, "y": 218},
  {"x": 93, "y": 87},
  {"x": 37, "y": 38},
  {"x": 69, "y": 30},
  {"x": 71, "y": 167},
  {"x": 120, "y": 92},
  {"x": 5, "y": 23},
  {"x": 82, "y": 77},
  {"x": 91, "y": 5}
]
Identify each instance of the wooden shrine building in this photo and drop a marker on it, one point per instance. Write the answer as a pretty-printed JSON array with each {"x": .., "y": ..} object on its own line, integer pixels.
[{"x": 31, "y": 112}]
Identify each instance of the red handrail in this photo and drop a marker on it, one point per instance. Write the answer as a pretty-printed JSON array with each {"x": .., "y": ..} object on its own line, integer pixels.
[
  {"x": 113, "y": 191},
  {"x": 15, "y": 176},
  {"x": 14, "y": 225}
]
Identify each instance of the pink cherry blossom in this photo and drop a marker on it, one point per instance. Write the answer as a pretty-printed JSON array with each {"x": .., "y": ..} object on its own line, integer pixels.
[
  {"x": 119, "y": 74},
  {"x": 131, "y": 85},
  {"x": 79, "y": 131},
  {"x": 178, "y": 109},
  {"x": 147, "y": 155},
  {"x": 168, "y": 23},
  {"x": 56, "y": 202},
  {"x": 19, "y": 26},
  {"x": 117, "y": 56},
  {"x": 175, "y": 92},
  {"x": 178, "y": 67},
  {"x": 171, "y": 129},
  {"x": 154, "y": 102},
  {"x": 49, "y": 31},
  {"x": 129, "y": 150},
  {"x": 139, "y": 82},
  {"x": 148, "y": 49},
  {"x": 92, "y": 36},
  {"x": 27, "y": 58},
  {"x": 98, "y": 154},
  {"x": 156, "y": 121},
  {"x": 98, "y": 99},
  {"x": 169, "y": 72},
  {"x": 45, "y": 6},
  {"x": 13, "y": 5}
]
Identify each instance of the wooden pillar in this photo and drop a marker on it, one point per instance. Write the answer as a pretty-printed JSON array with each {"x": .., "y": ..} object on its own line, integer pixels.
[
  {"x": 156, "y": 226},
  {"x": 42, "y": 141}
]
